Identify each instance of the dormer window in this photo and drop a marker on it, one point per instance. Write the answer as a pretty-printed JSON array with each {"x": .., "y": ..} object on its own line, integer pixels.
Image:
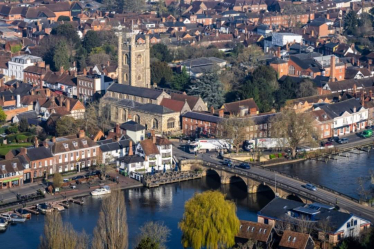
[
  {"x": 14, "y": 165},
  {"x": 66, "y": 146},
  {"x": 75, "y": 144},
  {"x": 2, "y": 167},
  {"x": 84, "y": 142}
]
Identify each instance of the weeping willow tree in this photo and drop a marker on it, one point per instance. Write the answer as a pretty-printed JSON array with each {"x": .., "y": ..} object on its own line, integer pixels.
[{"x": 209, "y": 221}]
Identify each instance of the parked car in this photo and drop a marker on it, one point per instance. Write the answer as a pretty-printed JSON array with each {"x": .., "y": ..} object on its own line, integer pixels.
[
  {"x": 343, "y": 140},
  {"x": 310, "y": 186},
  {"x": 326, "y": 144},
  {"x": 227, "y": 161},
  {"x": 77, "y": 177},
  {"x": 367, "y": 133},
  {"x": 244, "y": 166}
]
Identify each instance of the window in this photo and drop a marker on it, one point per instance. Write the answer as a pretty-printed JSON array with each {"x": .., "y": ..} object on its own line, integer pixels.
[
  {"x": 139, "y": 77},
  {"x": 139, "y": 59},
  {"x": 84, "y": 142},
  {"x": 171, "y": 123},
  {"x": 291, "y": 70},
  {"x": 154, "y": 124},
  {"x": 66, "y": 146}
]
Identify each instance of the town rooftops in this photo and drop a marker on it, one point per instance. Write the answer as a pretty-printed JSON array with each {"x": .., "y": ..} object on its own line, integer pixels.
[
  {"x": 346, "y": 85},
  {"x": 71, "y": 143},
  {"x": 132, "y": 126},
  {"x": 234, "y": 107},
  {"x": 135, "y": 91},
  {"x": 38, "y": 153},
  {"x": 25, "y": 59},
  {"x": 132, "y": 159},
  {"x": 173, "y": 104},
  {"x": 254, "y": 231},
  {"x": 204, "y": 116},
  {"x": 191, "y": 100},
  {"x": 294, "y": 240},
  {"x": 337, "y": 109},
  {"x": 10, "y": 166},
  {"x": 149, "y": 147}
]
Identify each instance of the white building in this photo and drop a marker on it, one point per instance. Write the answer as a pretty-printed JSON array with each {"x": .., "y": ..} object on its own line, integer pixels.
[
  {"x": 281, "y": 39},
  {"x": 114, "y": 150},
  {"x": 134, "y": 130},
  {"x": 349, "y": 116},
  {"x": 18, "y": 63}
]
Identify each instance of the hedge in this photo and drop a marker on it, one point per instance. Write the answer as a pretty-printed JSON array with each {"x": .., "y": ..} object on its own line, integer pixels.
[
  {"x": 271, "y": 156},
  {"x": 21, "y": 138}
]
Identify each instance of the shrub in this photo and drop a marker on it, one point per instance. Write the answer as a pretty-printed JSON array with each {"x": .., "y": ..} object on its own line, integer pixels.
[
  {"x": 21, "y": 138},
  {"x": 271, "y": 156},
  {"x": 11, "y": 139},
  {"x": 280, "y": 155}
]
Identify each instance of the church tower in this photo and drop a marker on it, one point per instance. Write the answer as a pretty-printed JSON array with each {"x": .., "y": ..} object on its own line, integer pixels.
[{"x": 134, "y": 63}]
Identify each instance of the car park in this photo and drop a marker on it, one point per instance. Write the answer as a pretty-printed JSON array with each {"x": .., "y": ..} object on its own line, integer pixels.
[
  {"x": 310, "y": 186},
  {"x": 343, "y": 140},
  {"x": 244, "y": 166}
]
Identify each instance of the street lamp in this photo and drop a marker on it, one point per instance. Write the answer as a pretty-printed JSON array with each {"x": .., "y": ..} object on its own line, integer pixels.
[{"x": 275, "y": 180}]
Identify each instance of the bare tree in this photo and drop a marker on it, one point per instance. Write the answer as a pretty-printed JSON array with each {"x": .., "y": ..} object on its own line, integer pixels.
[
  {"x": 104, "y": 114},
  {"x": 324, "y": 227},
  {"x": 283, "y": 224},
  {"x": 304, "y": 225},
  {"x": 157, "y": 232},
  {"x": 250, "y": 56},
  {"x": 60, "y": 235},
  {"x": 247, "y": 245},
  {"x": 235, "y": 130},
  {"x": 98, "y": 59},
  {"x": 362, "y": 191},
  {"x": 294, "y": 128},
  {"x": 111, "y": 230}
]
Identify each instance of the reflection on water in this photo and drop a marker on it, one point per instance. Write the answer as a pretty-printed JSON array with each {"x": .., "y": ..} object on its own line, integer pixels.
[
  {"x": 164, "y": 204},
  {"x": 340, "y": 175}
]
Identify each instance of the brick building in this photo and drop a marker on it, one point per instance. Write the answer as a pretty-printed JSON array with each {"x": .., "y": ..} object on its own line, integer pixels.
[
  {"x": 205, "y": 123},
  {"x": 11, "y": 172},
  {"x": 34, "y": 75}
]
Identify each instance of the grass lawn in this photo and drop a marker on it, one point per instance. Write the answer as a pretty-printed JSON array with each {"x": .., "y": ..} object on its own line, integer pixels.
[{"x": 7, "y": 147}]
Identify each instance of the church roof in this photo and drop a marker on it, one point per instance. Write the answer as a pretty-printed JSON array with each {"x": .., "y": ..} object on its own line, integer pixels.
[{"x": 135, "y": 91}]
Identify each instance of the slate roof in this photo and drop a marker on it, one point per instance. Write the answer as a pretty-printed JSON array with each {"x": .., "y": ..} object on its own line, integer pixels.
[
  {"x": 135, "y": 91},
  {"x": 38, "y": 153},
  {"x": 263, "y": 118},
  {"x": 9, "y": 166},
  {"x": 132, "y": 126},
  {"x": 27, "y": 115},
  {"x": 337, "y": 109},
  {"x": 348, "y": 84},
  {"x": 152, "y": 108},
  {"x": 110, "y": 145},
  {"x": 132, "y": 159},
  {"x": 204, "y": 116},
  {"x": 58, "y": 146}
]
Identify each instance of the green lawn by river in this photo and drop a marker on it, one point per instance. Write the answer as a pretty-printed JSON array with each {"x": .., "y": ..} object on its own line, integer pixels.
[{"x": 7, "y": 147}]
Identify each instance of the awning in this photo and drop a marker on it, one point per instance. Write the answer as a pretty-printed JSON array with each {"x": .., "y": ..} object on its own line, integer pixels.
[{"x": 10, "y": 180}]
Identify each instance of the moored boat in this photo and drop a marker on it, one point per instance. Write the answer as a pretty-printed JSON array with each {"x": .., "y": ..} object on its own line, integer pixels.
[
  {"x": 3, "y": 223},
  {"x": 44, "y": 208},
  {"x": 101, "y": 191},
  {"x": 17, "y": 218},
  {"x": 23, "y": 213}
]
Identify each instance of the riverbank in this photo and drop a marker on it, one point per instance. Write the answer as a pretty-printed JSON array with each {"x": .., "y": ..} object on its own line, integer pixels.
[{"x": 83, "y": 190}]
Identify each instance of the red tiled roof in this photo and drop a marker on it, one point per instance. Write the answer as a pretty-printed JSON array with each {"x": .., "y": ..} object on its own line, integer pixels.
[
  {"x": 172, "y": 104},
  {"x": 149, "y": 147},
  {"x": 294, "y": 240}
]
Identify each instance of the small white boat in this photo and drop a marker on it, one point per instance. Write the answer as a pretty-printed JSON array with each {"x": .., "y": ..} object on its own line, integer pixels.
[
  {"x": 23, "y": 213},
  {"x": 101, "y": 191},
  {"x": 3, "y": 223},
  {"x": 59, "y": 208},
  {"x": 17, "y": 218}
]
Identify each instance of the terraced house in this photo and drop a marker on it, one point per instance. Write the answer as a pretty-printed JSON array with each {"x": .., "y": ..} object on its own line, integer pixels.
[{"x": 74, "y": 152}]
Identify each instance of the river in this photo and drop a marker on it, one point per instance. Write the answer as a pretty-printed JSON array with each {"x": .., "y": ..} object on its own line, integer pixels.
[
  {"x": 340, "y": 175},
  {"x": 165, "y": 204}
]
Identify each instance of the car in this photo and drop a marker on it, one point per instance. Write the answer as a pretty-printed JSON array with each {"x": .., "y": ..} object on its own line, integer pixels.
[
  {"x": 227, "y": 161},
  {"x": 310, "y": 186},
  {"x": 326, "y": 144},
  {"x": 343, "y": 140},
  {"x": 367, "y": 133},
  {"x": 77, "y": 177},
  {"x": 244, "y": 166},
  {"x": 65, "y": 180}
]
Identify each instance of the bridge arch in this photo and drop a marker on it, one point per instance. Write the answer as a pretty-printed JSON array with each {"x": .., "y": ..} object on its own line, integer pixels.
[{"x": 294, "y": 197}]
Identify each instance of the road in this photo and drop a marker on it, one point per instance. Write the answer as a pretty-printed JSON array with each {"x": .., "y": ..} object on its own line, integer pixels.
[{"x": 287, "y": 183}]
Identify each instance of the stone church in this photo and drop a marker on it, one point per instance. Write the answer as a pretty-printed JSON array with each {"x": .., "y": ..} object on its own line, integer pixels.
[{"x": 134, "y": 63}]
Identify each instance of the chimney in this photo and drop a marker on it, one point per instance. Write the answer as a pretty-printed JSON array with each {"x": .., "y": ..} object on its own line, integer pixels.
[
  {"x": 212, "y": 110},
  {"x": 81, "y": 134},
  {"x": 312, "y": 33},
  {"x": 61, "y": 70},
  {"x": 118, "y": 130},
  {"x": 278, "y": 52},
  {"x": 18, "y": 103},
  {"x": 84, "y": 71},
  {"x": 354, "y": 90},
  {"x": 332, "y": 69},
  {"x": 36, "y": 142},
  {"x": 153, "y": 136},
  {"x": 221, "y": 113},
  {"x": 108, "y": 63},
  {"x": 354, "y": 109},
  {"x": 23, "y": 151},
  {"x": 41, "y": 64},
  {"x": 358, "y": 62},
  {"x": 362, "y": 99},
  {"x": 47, "y": 68},
  {"x": 45, "y": 144},
  {"x": 370, "y": 61},
  {"x": 67, "y": 104},
  {"x": 53, "y": 139},
  {"x": 130, "y": 148}
]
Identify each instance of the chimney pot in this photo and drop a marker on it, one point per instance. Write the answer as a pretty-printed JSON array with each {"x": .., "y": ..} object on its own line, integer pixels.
[
  {"x": 36, "y": 142},
  {"x": 130, "y": 148},
  {"x": 153, "y": 136},
  {"x": 54, "y": 139},
  {"x": 221, "y": 113},
  {"x": 82, "y": 134}
]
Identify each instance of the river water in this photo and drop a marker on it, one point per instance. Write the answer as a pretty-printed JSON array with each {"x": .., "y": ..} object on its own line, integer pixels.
[
  {"x": 165, "y": 204},
  {"x": 340, "y": 175}
]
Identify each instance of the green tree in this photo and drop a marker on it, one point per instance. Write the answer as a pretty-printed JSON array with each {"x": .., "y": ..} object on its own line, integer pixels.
[
  {"x": 209, "y": 87},
  {"x": 90, "y": 41},
  {"x": 2, "y": 115},
  {"x": 66, "y": 126},
  {"x": 68, "y": 32},
  {"x": 57, "y": 180},
  {"x": 13, "y": 128},
  {"x": 161, "y": 73},
  {"x": 306, "y": 88},
  {"x": 23, "y": 125},
  {"x": 147, "y": 243},
  {"x": 161, "y": 52},
  {"x": 60, "y": 56},
  {"x": 16, "y": 48},
  {"x": 63, "y": 18},
  {"x": 351, "y": 22},
  {"x": 161, "y": 6},
  {"x": 209, "y": 221},
  {"x": 180, "y": 80},
  {"x": 286, "y": 91},
  {"x": 130, "y": 5}
]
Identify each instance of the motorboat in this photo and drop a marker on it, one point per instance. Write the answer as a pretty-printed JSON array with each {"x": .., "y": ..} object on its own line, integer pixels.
[
  {"x": 101, "y": 191},
  {"x": 44, "y": 208},
  {"x": 58, "y": 208},
  {"x": 23, "y": 213},
  {"x": 3, "y": 223},
  {"x": 12, "y": 217}
]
